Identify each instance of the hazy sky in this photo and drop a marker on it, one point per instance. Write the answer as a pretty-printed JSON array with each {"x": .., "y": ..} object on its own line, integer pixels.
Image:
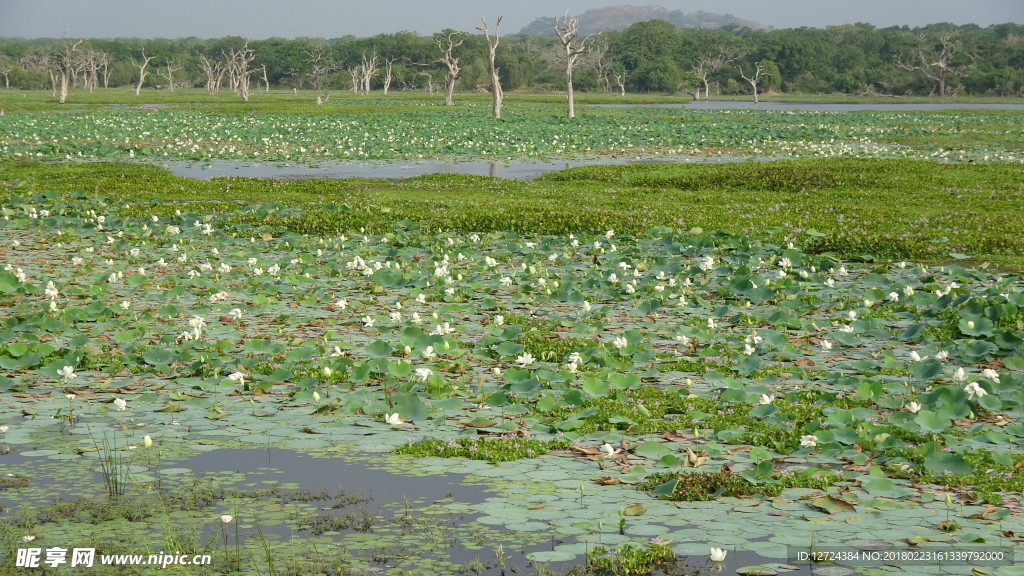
[{"x": 334, "y": 18}]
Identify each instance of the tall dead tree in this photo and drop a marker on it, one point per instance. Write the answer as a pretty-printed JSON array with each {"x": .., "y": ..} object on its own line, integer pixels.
[
  {"x": 170, "y": 67},
  {"x": 939, "y": 59},
  {"x": 492, "y": 48},
  {"x": 66, "y": 62},
  {"x": 710, "y": 60},
  {"x": 389, "y": 65},
  {"x": 320, "y": 64},
  {"x": 214, "y": 71},
  {"x": 446, "y": 44},
  {"x": 367, "y": 70},
  {"x": 567, "y": 29},
  {"x": 142, "y": 69},
  {"x": 237, "y": 63},
  {"x": 759, "y": 73},
  {"x": 6, "y": 67}
]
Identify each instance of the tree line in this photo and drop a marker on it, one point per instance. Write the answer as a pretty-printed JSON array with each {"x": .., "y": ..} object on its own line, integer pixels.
[{"x": 653, "y": 56}]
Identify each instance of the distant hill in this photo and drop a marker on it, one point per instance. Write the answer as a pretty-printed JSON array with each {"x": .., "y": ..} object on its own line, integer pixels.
[{"x": 621, "y": 17}]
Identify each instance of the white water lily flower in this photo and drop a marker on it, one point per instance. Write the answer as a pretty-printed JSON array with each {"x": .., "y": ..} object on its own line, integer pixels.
[
  {"x": 974, "y": 389},
  {"x": 917, "y": 357},
  {"x": 767, "y": 399},
  {"x": 718, "y": 554},
  {"x": 393, "y": 419},
  {"x": 120, "y": 404},
  {"x": 237, "y": 378},
  {"x": 147, "y": 442},
  {"x": 525, "y": 359},
  {"x": 808, "y": 441},
  {"x": 429, "y": 353},
  {"x": 67, "y": 373},
  {"x": 28, "y": 538},
  {"x": 235, "y": 313},
  {"x": 608, "y": 450},
  {"x": 941, "y": 355},
  {"x": 826, "y": 345},
  {"x": 620, "y": 342},
  {"x": 990, "y": 374},
  {"x": 959, "y": 375},
  {"x": 316, "y": 396},
  {"x": 368, "y": 321},
  {"x": 914, "y": 407},
  {"x": 424, "y": 373},
  {"x": 226, "y": 518},
  {"x": 499, "y": 319}
]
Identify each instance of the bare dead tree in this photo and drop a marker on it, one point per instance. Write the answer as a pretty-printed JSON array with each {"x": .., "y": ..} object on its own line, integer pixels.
[
  {"x": 6, "y": 67},
  {"x": 710, "y": 60},
  {"x": 597, "y": 58},
  {"x": 447, "y": 45},
  {"x": 934, "y": 59},
  {"x": 142, "y": 69},
  {"x": 367, "y": 70},
  {"x": 567, "y": 29},
  {"x": 620, "y": 81},
  {"x": 492, "y": 48},
  {"x": 65, "y": 64},
  {"x": 430, "y": 81},
  {"x": 170, "y": 67},
  {"x": 389, "y": 64},
  {"x": 214, "y": 71},
  {"x": 237, "y": 63},
  {"x": 759, "y": 73},
  {"x": 320, "y": 64}
]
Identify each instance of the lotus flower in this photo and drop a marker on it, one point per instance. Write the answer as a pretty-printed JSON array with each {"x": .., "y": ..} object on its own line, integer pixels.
[
  {"x": 767, "y": 399},
  {"x": 147, "y": 442},
  {"x": 808, "y": 441},
  {"x": 608, "y": 451},
  {"x": 67, "y": 373},
  {"x": 718, "y": 554},
  {"x": 973, "y": 389},
  {"x": 120, "y": 404},
  {"x": 393, "y": 419},
  {"x": 914, "y": 407},
  {"x": 226, "y": 518}
]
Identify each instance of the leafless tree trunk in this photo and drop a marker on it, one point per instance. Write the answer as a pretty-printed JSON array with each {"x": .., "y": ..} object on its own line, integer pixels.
[
  {"x": 567, "y": 29},
  {"x": 367, "y": 70},
  {"x": 447, "y": 45},
  {"x": 598, "y": 59},
  {"x": 142, "y": 70},
  {"x": 103, "y": 60},
  {"x": 214, "y": 74},
  {"x": 169, "y": 69},
  {"x": 66, "y": 61},
  {"x": 710, "y": 60},
  {"x": 320, "y": 64},
  {"x": 620, "y": 81},
  {"x": 388, "y": 69},
  {"x": 6, "y": 67},
  {"x": 492, "y": 48},
  {"x": 266, "y": 81},
  {"x": 935, "y": 61},
  {"x": 753, "y": 80},
  {"x": 238, "y": 70},
  {"x": 430, "y": 81}
]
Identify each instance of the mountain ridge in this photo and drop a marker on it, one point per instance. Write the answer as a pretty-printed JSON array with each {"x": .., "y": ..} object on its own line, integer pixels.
[{"x": 623, "y": 16}]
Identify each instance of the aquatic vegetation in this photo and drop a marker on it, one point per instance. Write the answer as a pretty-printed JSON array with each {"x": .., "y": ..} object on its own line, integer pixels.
[{"x": 769, "y": 374}]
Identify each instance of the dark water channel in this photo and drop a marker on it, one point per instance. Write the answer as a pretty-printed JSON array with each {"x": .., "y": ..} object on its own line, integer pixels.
[
  {"x": 295, "y": 472},
  {"x": 513, "y": 170}
]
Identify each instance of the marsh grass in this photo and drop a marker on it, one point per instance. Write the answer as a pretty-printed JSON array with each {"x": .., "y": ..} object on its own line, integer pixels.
[{"x": 854, "y": 209}]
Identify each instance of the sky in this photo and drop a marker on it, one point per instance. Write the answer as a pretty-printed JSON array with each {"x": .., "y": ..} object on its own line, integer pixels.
[{"x": 258, "y": 19}]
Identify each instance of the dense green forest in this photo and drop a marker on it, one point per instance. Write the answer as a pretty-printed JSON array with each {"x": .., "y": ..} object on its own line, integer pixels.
[{"x": 653, "y": 56}]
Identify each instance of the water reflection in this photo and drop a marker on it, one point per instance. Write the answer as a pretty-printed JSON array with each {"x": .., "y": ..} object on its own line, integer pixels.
[{"x": 513, "y": 170}]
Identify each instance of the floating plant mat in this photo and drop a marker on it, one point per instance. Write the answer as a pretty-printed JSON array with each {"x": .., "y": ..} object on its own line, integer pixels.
[{"x": 703, "y": 389}]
